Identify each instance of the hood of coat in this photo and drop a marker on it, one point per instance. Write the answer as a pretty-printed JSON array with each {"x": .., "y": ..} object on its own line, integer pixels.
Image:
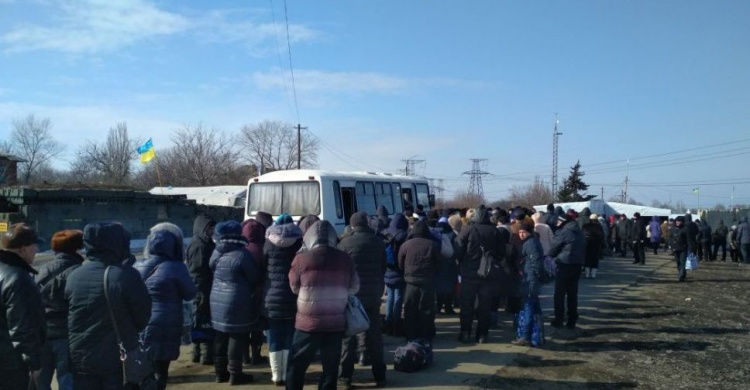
[
  {"x": 107, "y": 242},
  {"x": 165, "y": 240},
  {"x": 688, "y": 218},
  {"x": 456, "y": 223},
  {"x": 482, "y": 215},
  {"x": 398, "y": 223},
  {"x": 420, "y": 230},
  {"x": 254, "y": 231},
  {"x": 284, "y": 235},
  {"x": 586, "y": 212},
  {"x": 655, "y": 219},
  {"x": 203, "y": 227},
  {"x": 559, "y": 210},
  {"x": 321, "y": 233},
  {"x": 382, "y": 211},
  {"x": 307, "y": 221}
]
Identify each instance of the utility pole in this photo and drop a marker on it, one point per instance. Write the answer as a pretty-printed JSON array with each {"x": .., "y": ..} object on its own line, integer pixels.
[
  {"x": 299, "y": 145},
  {"x": 411, "y": 163},
  {"x": 475, "y": 178},
  {"x": 555, "y": 135},
  {"x": 731, "y": 207},
  {"x": 627, "y": 176},
  {"x": 602, "y": 198}
]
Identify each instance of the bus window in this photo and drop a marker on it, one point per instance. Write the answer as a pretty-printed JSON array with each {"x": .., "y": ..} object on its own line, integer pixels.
[
  {"x": 366, "y": 197},
  {"x": 295, "y": 198},
  {"x": 409, "y": 205},
  {"x": 337, "y": 199},
  {"x": 384, "y": 196},
  {"x": 423, "y": 195},
  {"x": 398, "y": 205}
]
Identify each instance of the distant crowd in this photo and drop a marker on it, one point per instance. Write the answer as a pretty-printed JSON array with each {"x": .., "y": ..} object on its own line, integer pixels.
[{"x": 239, "y": 285}]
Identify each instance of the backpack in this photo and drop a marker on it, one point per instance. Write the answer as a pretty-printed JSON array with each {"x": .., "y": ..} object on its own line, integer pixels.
[
  {"x": 414, "y": 356},
  {"x": 548, "y": 271}
]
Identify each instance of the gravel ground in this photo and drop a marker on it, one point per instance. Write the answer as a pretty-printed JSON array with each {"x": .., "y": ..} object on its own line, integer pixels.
[{"x": 654, "y": 334}]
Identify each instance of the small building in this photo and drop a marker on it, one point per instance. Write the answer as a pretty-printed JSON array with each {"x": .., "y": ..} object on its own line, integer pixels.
[
  {"x": 9, "y": 169},
  {"x": 227, "y": 196}
]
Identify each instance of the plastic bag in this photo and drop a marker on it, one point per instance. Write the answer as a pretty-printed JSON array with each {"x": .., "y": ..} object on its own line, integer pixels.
[
  {"x": 356, "y": 317},
  {"x": 691, "y": 264}
]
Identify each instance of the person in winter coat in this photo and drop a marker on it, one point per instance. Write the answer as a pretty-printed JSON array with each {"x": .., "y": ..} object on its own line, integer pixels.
[
  {"x": 622, "y": 234},
  {"x": 638, "y": 239},
  {"x": 529, "y": 321},
  {"x": 550, "y": 218},
  {"x": 383, "y": 220},
  {"x": 418, "y": 257},
  {"x": 255, "y": 233},
  {"x": 583, "y": 217},
  {"x": 394, "y": 276},
  {"x": 197, "y": 257},
  {"x": 720, "y": 241},
  {"x": 704, "y": 241},
  {"x": 743, "y": 239},
  {"x": 51, "y": 280},
  {"x": 732, "y": 244},
  {"x": 323, "y": 277},
  {"x": 447, "y": 275},
  {"x": 692, "y": 232},
  {"x": 94, "y": 353},
  {"x": 665, "y": 232},
  {"x": 234, "y": 309},
  {"x": 543, "y": 232},
  {"x": 22, "y": 324},
  {"x": 169, "y": 284},
  {"x": 568, "y": 250},
  {"x": 282, "y": 243},
  {"x": 654, "y": 230},
  {"x": 478, "y": 237},
  {"x": 594, "y": 235},
  {"x": 682, "y": 245},
  {"x": 367, "y": 249}
]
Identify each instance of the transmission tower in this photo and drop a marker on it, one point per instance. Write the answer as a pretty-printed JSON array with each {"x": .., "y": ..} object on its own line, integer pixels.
[
  {"x": 555, "y": 135},
  {"x": 475, "y": 177},
  {"x": 411, "y": 165}
]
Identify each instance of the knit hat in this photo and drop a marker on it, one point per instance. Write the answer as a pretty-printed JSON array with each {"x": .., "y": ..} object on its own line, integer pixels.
[
  {"x": 228, "y": 230},
  {"x": 264, "y": 218},
  {"x": 594, "y": 216},
  {"x": 19, "y": 235},
  {"x": 529, "y": 228},
  {"x": 358, "y": 219},
  {"x": 680, "y": 218},
  {"x": 551, "y": 207},
  {"x": 67, "y": 241},
  {"x": 637, "y": 215},
  {"x": 283, "y": 219}
]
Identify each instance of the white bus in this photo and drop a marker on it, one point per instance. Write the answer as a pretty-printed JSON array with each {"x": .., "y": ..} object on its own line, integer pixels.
[{"x": 334, "y": 196}]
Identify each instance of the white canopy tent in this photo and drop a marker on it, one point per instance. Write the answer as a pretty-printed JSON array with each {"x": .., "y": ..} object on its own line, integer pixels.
[
  {"x": 609, "y": 208},
  {"x": 232, "y": 196}
]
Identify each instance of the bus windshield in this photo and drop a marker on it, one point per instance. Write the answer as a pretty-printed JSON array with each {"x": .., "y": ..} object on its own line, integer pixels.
[{"x": 294, "y": 198}]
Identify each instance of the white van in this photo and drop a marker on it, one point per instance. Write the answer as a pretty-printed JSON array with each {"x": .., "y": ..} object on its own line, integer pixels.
[{"x": 334, "y": 196}]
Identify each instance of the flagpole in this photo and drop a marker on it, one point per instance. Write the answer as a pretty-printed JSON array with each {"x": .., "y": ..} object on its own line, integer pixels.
[{"x": 158, "y": 173}]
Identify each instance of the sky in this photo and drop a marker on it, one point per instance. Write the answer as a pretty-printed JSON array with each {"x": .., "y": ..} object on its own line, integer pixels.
[{"x": 653, "y": 90}]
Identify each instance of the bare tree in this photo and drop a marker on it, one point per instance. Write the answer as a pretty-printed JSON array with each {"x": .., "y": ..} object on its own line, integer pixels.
[
  {"x": 272, "y": 146},
  {"x": 32, "y": 141},
  {"x": 464, "y": 200},
  {"x": 198, "y": 157},
  {"x": 535, "y": 193},
  {"x": 111, "y": 160}
]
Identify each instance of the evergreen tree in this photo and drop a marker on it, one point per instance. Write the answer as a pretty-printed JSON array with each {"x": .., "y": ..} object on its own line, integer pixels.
[{"x": 574, "y": 187}]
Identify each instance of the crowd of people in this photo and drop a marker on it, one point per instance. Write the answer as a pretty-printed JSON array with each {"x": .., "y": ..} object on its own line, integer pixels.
[{"x": 288, "y": 283}]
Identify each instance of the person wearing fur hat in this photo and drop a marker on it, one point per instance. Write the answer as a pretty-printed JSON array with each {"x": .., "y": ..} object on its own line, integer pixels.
[
  {"x": 51, "y": 280},
  {"x": 594, "y": 242},
  {"x": 282, "y": 243},
  {"x": 22, "y": 325},
  {"x": 169, "y": 284},
  {"x": 94, "y": 353},
  {"x": 233, "y": 309}
]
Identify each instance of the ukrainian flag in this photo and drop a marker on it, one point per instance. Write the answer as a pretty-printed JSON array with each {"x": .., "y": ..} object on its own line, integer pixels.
[{"x": 147, "y": 151}]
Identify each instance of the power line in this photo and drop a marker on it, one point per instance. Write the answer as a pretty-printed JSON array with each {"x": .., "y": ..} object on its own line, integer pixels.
[
  {"x": 475, "y": 180},
  {"x": 291, "y": 67},
  {"x": 281, "y": 62}
]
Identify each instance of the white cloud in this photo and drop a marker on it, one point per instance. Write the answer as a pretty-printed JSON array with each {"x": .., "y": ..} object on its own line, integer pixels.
[
  {"x": 321, "y": 81},
  {"x": 96, "y": 26}
]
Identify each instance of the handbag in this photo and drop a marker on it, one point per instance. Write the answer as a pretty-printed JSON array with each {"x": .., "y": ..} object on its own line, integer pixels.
[
  {"x": 486, "y": 262},
  {"x": 137, "y": 364},
  {"x": 691, "y": 263},
  {"x": 357, "y": 320}
]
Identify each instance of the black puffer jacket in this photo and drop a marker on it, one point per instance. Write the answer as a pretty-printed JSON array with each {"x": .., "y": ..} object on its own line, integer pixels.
[
  {"x": 198, "y": 254},
  {"x": 638, "y": 231},
  {"x": 92, "y": 340},
  {"x": 704, "y": 232},
  {"x": 419, "y": 255},
  {"x": 568, "y": 245},
  {"x": 22, "y": 325},
  {"x": 481, "y": 233},
  {"x": 51, "y": 280},
  {"x": 692, "y": 229},
  {"x": 279, "y": 250},
  {"x": 367, "y": 249}
]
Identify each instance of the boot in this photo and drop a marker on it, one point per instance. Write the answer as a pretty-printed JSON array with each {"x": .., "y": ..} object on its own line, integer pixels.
[
  {"x": 593, "y": 273},
  {"x": 239, "y": 378},
  {"x": 588, "y": 272},
  {"x": 222, "y": 376},
  {"x": 276, "y": 360},
  {"x": 196, "y": 357},
  {"x": 464, "y": 337},
  {"x": 208, "y": 353},
  {"x": 256, "y": 358}
]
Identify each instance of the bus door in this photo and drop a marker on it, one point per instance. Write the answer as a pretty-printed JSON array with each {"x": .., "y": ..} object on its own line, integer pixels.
[
  {"x": 408, "y": 198},
  {"x": 347, "y": 198}
]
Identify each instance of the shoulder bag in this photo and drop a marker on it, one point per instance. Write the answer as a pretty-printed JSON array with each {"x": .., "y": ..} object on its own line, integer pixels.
[{"x": 137, "y": 364}]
